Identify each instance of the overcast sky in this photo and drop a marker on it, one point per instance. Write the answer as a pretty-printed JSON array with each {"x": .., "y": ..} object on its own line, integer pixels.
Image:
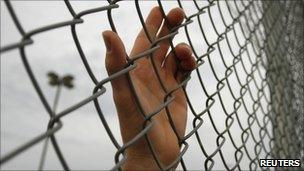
[{"x": 83, "y": 139}]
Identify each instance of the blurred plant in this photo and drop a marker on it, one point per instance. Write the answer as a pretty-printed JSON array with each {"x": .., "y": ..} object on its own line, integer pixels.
[
  {"x": 55, "y": 80},
  {"x": 59, "y": 82}
]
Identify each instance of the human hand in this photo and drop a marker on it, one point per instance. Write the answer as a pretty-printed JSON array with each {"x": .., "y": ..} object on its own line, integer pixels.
[{"x": 172, "y": 71}]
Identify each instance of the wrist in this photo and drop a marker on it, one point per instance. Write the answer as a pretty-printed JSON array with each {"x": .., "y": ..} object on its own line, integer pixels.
[{"x": 137, "y": 161}]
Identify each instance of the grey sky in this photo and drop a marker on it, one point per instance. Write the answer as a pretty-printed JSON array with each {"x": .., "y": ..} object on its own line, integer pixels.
[{"x": 83, "y": 139}]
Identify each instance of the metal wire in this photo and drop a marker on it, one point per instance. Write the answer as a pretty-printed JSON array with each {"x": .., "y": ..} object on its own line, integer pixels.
[{"x": 271, "y": 95}]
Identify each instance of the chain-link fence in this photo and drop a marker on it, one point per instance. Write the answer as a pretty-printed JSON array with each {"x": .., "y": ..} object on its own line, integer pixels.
[{"x": 254, "y": 103}]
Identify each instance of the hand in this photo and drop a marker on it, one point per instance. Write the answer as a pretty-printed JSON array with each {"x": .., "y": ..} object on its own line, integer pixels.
[{"x": 151, "y": 95}]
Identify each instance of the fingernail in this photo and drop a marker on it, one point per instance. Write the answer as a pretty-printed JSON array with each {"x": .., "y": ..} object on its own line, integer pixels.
[
  {"x": 189, "y": 50},
  {"x": 107, "y": 41}
]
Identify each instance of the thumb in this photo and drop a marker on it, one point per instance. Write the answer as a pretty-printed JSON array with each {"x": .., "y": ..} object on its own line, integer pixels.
[
  {"x": 115, "y": 59},
  {"x": 116, "y": 55}
]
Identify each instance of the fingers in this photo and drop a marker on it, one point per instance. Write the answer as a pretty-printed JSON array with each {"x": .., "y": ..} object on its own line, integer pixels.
[
  {"x": 152, "y": 23},
  {"x": 115, "y": 59},
  {"x": 185, "y": 62},
  {"x": 175, "y": 18},
  {"x": 184, "y": 54}
]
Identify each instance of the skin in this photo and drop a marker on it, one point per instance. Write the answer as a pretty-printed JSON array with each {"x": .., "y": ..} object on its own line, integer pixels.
[{"x": 150, "y": 92}]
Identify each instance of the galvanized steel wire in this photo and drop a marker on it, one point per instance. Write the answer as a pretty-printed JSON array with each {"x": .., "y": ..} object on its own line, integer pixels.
[{"x": 272, "y": 42}]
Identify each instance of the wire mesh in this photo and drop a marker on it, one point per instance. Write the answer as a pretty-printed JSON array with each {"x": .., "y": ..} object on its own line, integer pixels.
[{"x": 265, "y": 42}]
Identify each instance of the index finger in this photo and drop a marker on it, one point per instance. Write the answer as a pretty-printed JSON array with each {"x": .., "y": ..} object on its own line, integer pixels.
[{"x": 152, "y": 24}]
